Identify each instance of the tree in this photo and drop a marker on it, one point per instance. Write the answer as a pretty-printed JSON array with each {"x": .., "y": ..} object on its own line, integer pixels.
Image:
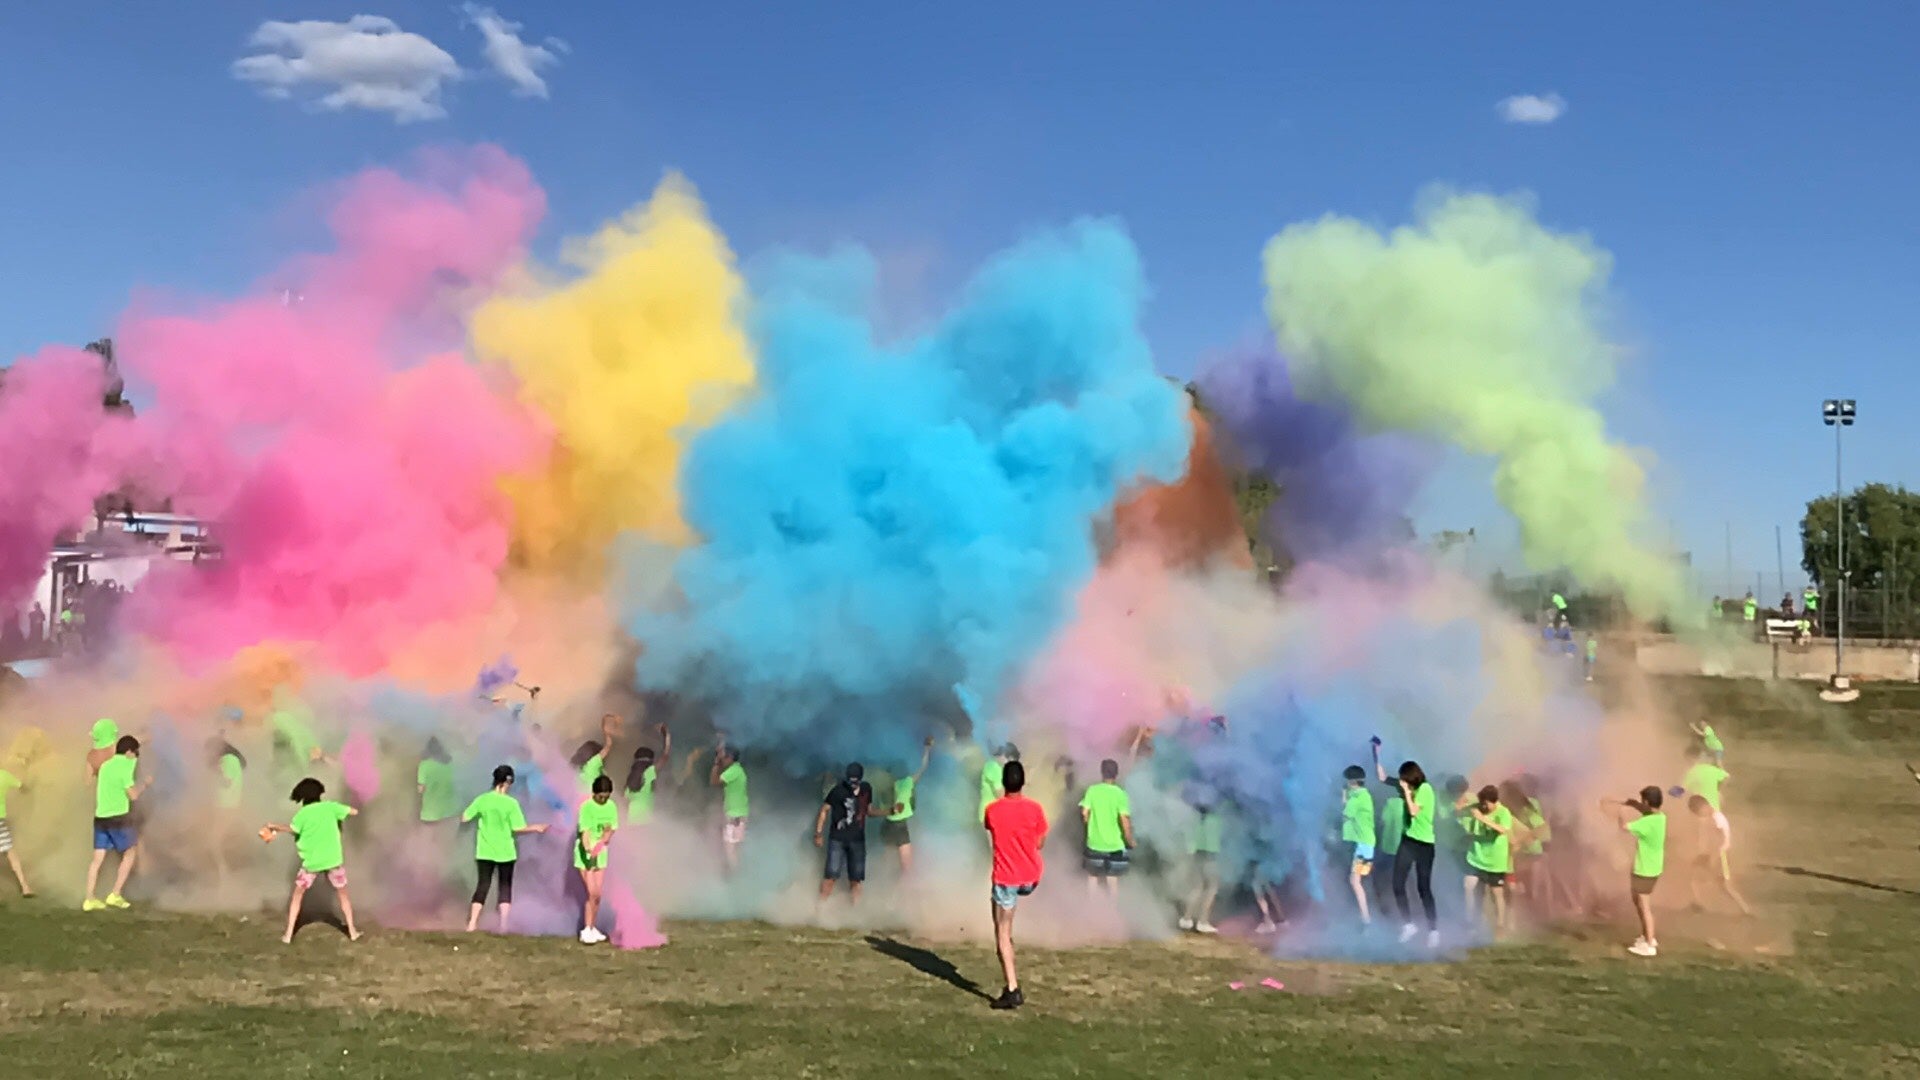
[{"x": 1883, "y": 542}]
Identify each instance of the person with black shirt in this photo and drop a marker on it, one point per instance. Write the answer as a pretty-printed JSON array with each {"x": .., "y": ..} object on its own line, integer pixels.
[{"x": 841, "y": 828}]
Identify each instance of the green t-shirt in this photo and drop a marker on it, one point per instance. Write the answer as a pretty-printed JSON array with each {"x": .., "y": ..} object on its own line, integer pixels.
[
  {"x": 640, "y": 800},
  {"x": 316, "y": 835},
  {"x": 903, "y": 795},
  {"x": 500, "y": 817},
  {"x": 1393, "y": 824},
  {"x": 1489, "y": 849},
  {"x": 1356, "y": 817},
  {"x": 1207, "y": 834},
  {"x": 437, "y": 800},
  {"x": 1420, "y": 826},
  {"x": 1710, "y": 740},
  {"x": 733, "y": 790},
  {"x": 8, "y": 782},
  {"x": 1105, "y": 805},
  {"x": 597, "y": 820},
  {"x": 1704, "y": 780},
  {"x": 231, "y": 774},
  {"x": 1650, "y": 847},
  {"x": 1538, "y": 832},
  {"x": 1593, "y": 649},
  {"x": 594, "y": 769},
  {"x": 989, "y": 785},
  {"x": 110, "y": 789}
]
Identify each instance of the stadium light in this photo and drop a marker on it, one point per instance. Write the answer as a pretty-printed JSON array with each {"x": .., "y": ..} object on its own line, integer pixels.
[{"x": 1838, "y": 413}]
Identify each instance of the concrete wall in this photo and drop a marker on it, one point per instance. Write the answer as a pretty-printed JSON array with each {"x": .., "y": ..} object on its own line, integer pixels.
[{"x": 1662, "y": 655}]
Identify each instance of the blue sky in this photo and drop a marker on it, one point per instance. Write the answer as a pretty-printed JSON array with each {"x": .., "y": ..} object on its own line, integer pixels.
[{"x": 1750, "y": 167}]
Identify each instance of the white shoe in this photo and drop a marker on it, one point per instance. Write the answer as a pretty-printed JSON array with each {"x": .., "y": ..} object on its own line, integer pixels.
[
  {"x": 1186, "y": 923},
  {"x": 1267, "y": 927},
  {"x": 1206, "y": 928},
  {"x": 1433, "y": 939},
  {"x": 1644, "y": 948},
  {"x": 590, "y": 936},
  {"x": 1407, "y": 932}
]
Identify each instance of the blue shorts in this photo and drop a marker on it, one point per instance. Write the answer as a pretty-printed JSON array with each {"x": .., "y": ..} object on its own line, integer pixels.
[
  {"x": 119, "y": 837},
  {"x": 1008, "y": 896},
  {"x": 848, "y": 859}
]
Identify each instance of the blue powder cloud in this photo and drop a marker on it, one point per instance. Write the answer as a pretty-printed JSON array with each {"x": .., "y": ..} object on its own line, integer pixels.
[{"x": 891, "y": 529}]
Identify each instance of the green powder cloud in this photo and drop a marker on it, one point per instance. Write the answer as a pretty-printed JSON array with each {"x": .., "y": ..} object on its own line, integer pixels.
[{"x": 1478, "y": 327}]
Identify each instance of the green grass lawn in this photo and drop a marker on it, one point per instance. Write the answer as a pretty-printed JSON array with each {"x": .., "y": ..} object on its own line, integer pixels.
[{"x": 1823, "y": 984}]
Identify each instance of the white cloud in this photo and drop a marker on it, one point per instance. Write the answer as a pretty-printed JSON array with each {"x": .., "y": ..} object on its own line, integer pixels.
[
  {"x": 1532, "y": 108},
  {"x": 366, "y": 62},
  {"x": 517, "y": 60}
]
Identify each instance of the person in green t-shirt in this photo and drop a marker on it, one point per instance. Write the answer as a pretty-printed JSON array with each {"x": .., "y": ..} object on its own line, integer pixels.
[
  {"x": 990, "y": 774},
  {"x": 1489, "y": 830},
  {"x": 643, "y": 774},
  {"x": 1108, "y": 815},
  {"x": 229, "y": 768},
  {"x": 433, "y": 780},
  {"x": 1648, "y": 828},
  {"x": 598, "y": 819},
  {"x": 1528, "y": 843},
  {"x": 1357, "y": 833},
  {"x": 114, "y": 792},
  {"x": 10, "y": 782},
  {"x": 1415, "y": 859},
  {"x": 1716, "y": 751},
  {"x": 1204, "y": 845},
  {"x": 730, "y": 776},
  {"x": 1704, "y": 778},
  {"x": 495, "y": 850},
  {"x": 896, "y": 830},
  {"x": 316, "y": 839}
]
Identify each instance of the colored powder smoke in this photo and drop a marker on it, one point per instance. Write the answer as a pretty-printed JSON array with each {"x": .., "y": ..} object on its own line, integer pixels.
[
  {"x": 625, "y": 362},
  {"x": 351, "y": 461},
  {"x": 884, "y": 522},
  {"x": 1478, "y": 327}
]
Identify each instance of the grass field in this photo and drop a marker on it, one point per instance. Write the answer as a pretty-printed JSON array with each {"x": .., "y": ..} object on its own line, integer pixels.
[{"x": 1823, "y": 984}]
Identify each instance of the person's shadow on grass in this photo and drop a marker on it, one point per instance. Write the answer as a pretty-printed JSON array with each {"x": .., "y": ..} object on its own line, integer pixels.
[
  {"x": 1801, "y": 871},
  {"x": 926, "y": 962}
]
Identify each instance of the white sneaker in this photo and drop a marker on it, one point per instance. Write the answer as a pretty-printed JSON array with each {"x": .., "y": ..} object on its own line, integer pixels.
[
  {"x": 1267, "y": 926},
  {"x": 1433, "y": 939},
  {"x": 590, "y": 936},
  {"x": 1644, "y": 948},
  {"x": 1407, "y": 932},
  {"x": 1186, "y": 923},
  {"x": 1205, "y": 928}
]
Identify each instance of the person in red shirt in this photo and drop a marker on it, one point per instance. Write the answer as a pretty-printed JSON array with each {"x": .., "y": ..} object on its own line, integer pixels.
[{"x": 1018, "y": 828}]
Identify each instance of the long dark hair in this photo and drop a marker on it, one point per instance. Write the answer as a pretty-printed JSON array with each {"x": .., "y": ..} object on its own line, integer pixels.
[
  {"x": 1412, "y": 774},
  {"x": 221, "y": 748},
  {"x": 585, "y": 754},
  {"x": 434, "y": 751},
  {"x": 637, "y": 772}
]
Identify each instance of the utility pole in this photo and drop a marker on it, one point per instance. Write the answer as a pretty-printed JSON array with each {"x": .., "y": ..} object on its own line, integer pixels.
[{"x": 1838, "y": 413}]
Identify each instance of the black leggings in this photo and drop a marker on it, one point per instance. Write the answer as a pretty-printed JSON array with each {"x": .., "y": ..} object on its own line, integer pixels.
[
  {"x": 487, "y": 869},
  {"x": 1415, "y": 854}
]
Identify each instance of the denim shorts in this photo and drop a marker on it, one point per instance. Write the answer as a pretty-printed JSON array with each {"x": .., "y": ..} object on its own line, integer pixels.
[
  {"x": 848, "y": 859},
  {"x": 1008, "y": 897}
]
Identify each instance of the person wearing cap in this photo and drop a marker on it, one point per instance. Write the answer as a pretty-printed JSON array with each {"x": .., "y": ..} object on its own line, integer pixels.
[
  {"x": 105, "y": 734},
  {"x": 841, "y": 828}
]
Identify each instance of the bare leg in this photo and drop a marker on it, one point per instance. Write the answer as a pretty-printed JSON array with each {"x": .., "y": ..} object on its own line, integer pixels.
[
  {"x": 853, "y": 892},
  {"x": 592, "y": 880},
  {"x": 1502, "y": 921},
  {"x": 473, "y": 917},
  {"x": 1003, "y": 943},
  {"x": 906, "y": 859},
  {"x": 1726, "y": 886},
  {"x": 93, "y": 871},
  {"x": 826, "y": 891},
  {"x": 127, "y": 860},
  {"x": 19, "y": 875},
  {"x": 505, "y": 908},
  {"x": 1359, "y": 896},
  {"x": 346, "y": 912},
  {"x": 1643, "y": 906},
  {"x": 293, "y": 912}
]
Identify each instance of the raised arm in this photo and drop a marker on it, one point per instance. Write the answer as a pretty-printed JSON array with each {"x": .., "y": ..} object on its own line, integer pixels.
[{"x": 926, "y": 758}]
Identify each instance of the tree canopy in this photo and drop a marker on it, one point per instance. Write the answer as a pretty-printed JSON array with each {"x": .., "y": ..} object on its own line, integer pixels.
[{"x": 1882, "y": 535}]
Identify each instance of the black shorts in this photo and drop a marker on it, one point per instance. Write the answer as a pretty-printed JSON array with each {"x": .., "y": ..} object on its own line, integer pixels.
[
  {"x": 1107, "y": 864},
  {"x": 896, "y": 833},
  {"x": 1643, "y": 886},
  {"x": 848, "y": 859},
  {"x": 1490, "y": 879}
]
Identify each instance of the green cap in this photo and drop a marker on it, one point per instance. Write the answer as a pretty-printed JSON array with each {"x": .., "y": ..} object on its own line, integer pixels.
[{"x": 105, "y": 733}]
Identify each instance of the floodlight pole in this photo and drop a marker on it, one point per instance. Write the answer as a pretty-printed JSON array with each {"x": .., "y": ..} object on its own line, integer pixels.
[{"x": 1839, "y": 413}]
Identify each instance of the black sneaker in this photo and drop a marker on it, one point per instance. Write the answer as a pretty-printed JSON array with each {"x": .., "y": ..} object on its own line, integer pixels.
[{"x": 1009, "y": 999}]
